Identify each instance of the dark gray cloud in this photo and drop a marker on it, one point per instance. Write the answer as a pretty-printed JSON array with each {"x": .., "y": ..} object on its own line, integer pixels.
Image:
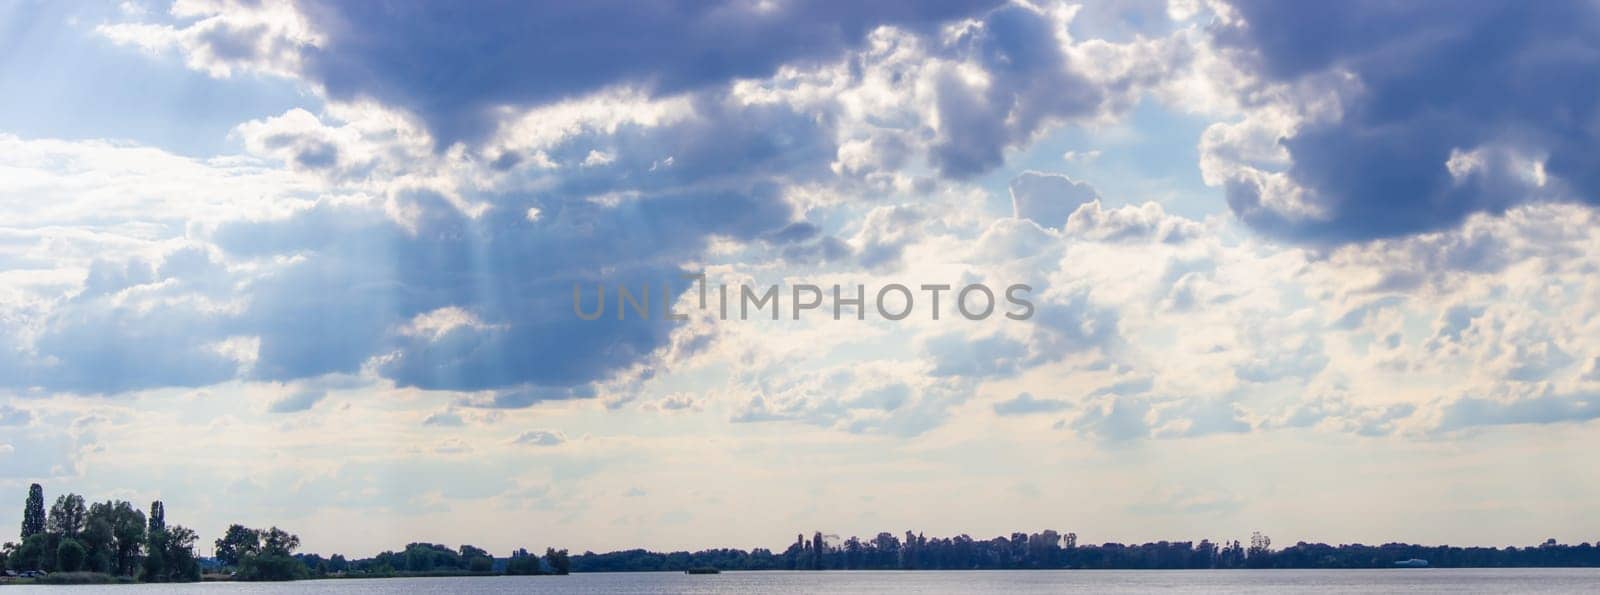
[
  {"x": 454, "y": 64},
  {"x": 129, "y": 329},
  {"x": 1497, "y": 84},
  {"x": 1030, "y": 85}
]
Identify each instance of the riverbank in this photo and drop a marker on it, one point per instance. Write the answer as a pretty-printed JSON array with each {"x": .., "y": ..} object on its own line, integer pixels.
[{"x": 70, "y": 578}]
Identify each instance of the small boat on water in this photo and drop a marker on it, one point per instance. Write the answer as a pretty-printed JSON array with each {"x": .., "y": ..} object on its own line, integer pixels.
[
  {"x": 702, "y": 571},
  {"x": 1412, "y": 563}
]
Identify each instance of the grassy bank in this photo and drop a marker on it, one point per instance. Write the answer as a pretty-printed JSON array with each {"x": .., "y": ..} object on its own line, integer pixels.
[{"x": 81, "y": 578}]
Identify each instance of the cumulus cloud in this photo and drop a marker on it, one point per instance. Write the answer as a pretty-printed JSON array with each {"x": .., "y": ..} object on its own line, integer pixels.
[
  {"x": 1131, "y": 413},
  {"x": 1497, "y": 117},
  {"x": 169, "y": 325},
  {"x": 1146, "y": 222},
  {"x": 632, "y": 167},
  {"x": 508, "y": 278},
  {"x": 1113, "y": 419},
  {"x": 429, "y": 235},
  {"x": 315, "y": 297},
  {"x": 223, "y": 36},
  {"x": 884, "y": 234},
  {"x": 1406, "y": 260},
  {"x": 355, "y": 52},
  {"x": 1338, "y": 412},
  {"x": 1048, "y": 199},
  {"x": 876, "y": 398},
  {"x": 540, "y": 438}
]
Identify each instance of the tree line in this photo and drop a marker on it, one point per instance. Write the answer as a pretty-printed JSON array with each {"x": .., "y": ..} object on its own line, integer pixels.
[
  {"x": 111, "y": 537},
  {"x": 423, "y": 559},
  {"x": 1052, "y": 550},
  {"x": 115, "y": 538}
]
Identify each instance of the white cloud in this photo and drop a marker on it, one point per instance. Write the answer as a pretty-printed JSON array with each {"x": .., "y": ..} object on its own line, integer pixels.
[
  {"x": 225, "y": 35},
  {"x": 541, "y": 438}
]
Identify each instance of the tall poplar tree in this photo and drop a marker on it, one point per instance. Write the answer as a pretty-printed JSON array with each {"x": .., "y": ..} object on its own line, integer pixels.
[
  {"x": 33, "y": 512},
  {"x": 158, "y": 517}
]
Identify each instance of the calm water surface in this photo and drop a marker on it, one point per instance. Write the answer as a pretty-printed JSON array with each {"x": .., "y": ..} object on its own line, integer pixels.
[{"x": 1438, "y": 580}]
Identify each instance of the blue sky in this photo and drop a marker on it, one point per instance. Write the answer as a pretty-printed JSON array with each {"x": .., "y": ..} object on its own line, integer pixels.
[{"x": 1326, "y": 272}]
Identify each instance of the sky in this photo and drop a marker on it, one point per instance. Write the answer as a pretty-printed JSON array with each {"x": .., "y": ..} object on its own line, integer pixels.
[{"x": 1324, "y": 271}]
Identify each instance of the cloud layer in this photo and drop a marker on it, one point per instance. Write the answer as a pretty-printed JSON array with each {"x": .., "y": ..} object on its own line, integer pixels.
[{"x": 1349, "y": 234}]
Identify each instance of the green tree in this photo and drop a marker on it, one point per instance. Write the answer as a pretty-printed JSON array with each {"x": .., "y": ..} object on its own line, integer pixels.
[
  {"x": 128, "y": 531},
  {"x": 274, "y": 560},
  {"x": 277, "y": 542},
  {"x": 30, "y": 554},
  {"x": 522, "y": 562},
  {"x": 69, "y": 555},
  {"x": 155, "y": 545},
  {"x": 98, "y": 538},
  {"x": 476, "y": 559},
  {"x": 558, "y": 560},
  {"x": 33, "y": 512},
  {"x": 169, "y": 556},
  {"x": 155, "y": 556},
  {"x": 67, "y": 516},
  {"x": 181, "y": 564},
  {"x": 424, "y": 557},
  {"x": 239, "y": 541},
  {"x": 269, "y": 567},
  {"x": 337, "y": 563}
]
